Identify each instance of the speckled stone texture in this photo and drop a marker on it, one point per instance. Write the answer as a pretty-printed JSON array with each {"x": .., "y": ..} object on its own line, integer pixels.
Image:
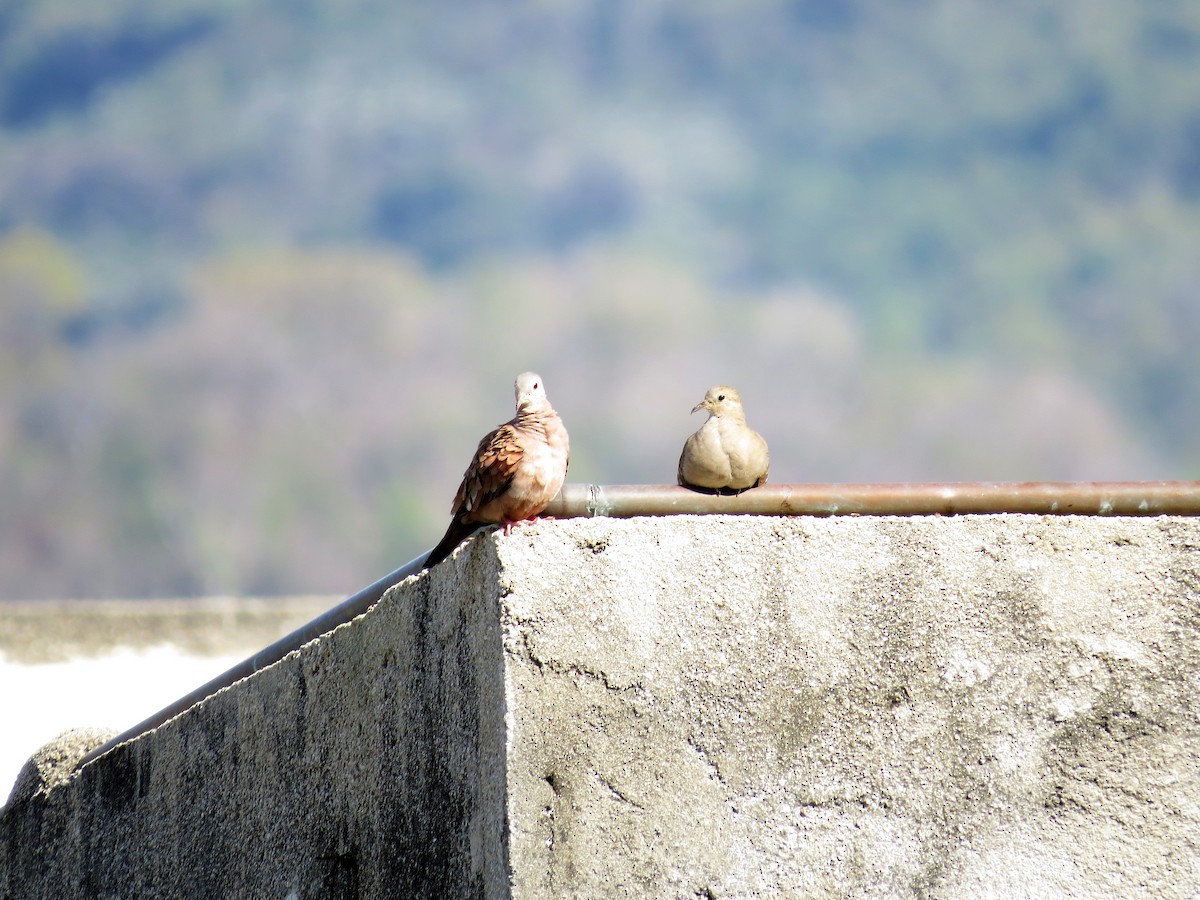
[
  {"x": 689, "y": 707},
  {"x": 55, "y": 762}
]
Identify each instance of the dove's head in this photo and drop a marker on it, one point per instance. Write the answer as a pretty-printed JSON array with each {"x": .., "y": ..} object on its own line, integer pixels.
[
  {"x": 722, "y": 401},
  {"x": 531, "y": 393}
]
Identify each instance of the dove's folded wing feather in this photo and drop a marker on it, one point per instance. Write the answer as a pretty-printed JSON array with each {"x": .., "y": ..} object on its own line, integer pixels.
[{"x": 491, "y": 471}]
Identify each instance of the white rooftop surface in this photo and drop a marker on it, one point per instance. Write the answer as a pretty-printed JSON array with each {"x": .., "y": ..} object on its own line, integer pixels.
[{"x": 40, "y": 701}]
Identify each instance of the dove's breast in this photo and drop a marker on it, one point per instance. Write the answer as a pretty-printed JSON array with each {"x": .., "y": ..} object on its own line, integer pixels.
[{"x": 540, "y": 473}]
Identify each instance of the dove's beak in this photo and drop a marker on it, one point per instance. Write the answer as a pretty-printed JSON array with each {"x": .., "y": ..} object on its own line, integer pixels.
[{"x": 703, "y": 404}]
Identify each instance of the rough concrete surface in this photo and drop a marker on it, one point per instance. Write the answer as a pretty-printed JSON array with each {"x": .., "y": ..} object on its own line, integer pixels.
[
  {"x": 54, "y": 763},
  {"x": 703, "y": 707}
]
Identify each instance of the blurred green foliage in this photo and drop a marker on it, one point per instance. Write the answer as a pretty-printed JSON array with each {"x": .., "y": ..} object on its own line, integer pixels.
[{"x": 267, "y": 270}]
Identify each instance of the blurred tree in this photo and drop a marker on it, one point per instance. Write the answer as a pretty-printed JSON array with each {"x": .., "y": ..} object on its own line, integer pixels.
[
  {"x": 42, "y": 286},
  {"x": 64, "y": 72},
  {"x": 883, "y": 222}
]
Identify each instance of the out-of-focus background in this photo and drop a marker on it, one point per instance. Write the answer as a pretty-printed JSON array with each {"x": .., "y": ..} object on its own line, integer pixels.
[{"x": 267, "y": 270}]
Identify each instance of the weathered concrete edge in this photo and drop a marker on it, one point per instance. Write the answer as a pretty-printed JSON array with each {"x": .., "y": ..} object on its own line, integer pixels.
[{"x": 380, "y": 744}]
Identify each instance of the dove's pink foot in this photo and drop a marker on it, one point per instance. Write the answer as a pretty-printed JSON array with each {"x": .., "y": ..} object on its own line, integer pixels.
[{"x": 510, "y": 524}]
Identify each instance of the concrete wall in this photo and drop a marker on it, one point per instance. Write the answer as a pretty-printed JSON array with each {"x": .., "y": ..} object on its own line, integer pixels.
[
  {"x": 689, "y": 707},
  {"x": 66, "y": 664}
]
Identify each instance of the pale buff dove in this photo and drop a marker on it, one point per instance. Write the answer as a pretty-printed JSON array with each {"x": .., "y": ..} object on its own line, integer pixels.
[
  {"x": 725, "y": 455},
  {"x": 516, "y": 471}
]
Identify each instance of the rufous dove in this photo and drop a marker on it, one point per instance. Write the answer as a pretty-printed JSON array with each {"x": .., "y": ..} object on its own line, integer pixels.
[
  {"x": 725, "y": 455},
  {"x": 516, "y": 471}
]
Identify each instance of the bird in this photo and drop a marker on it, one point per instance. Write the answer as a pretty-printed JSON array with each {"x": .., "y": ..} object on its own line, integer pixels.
[
  {"x": 725, "y": 455},
  {"x": 515, "y": 473}
]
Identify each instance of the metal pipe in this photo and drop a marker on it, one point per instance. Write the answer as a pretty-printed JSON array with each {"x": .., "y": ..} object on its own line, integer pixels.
[
  {"x": 1140, "y": 498},
  {"x": 1114, "y": 498},
  {"x": 327, "y": 621}
]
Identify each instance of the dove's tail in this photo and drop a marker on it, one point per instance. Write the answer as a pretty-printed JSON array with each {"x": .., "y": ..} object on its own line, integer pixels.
[{"x": 458, "y": 531}]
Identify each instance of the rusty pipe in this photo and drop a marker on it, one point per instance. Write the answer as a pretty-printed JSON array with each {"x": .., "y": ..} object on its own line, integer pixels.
[
  {"x": 1124, "y": 498},
  {"x": 1114, "y": 498}
]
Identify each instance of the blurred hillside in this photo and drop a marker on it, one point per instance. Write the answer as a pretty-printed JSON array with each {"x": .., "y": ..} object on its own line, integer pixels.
[{"x": 267, "y": 270}]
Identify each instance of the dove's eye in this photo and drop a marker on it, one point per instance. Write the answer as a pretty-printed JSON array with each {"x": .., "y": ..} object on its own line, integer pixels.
[{"x": 720, "y": 396}]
